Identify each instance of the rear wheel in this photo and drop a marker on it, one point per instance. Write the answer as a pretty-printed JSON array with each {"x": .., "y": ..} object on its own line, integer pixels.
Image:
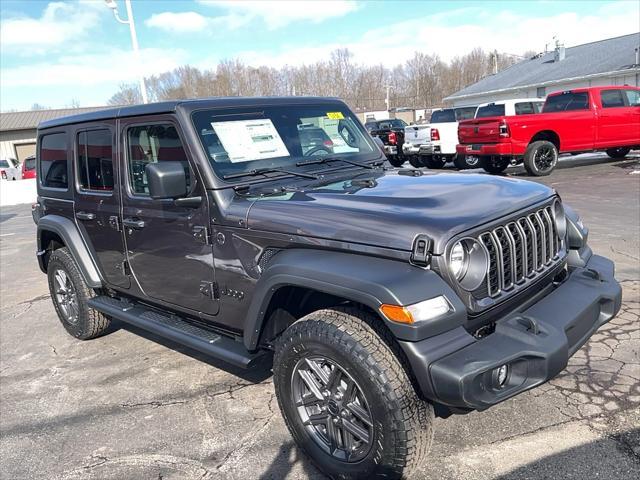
[
  {"x": 495, "y": 165},
  {"x": 70, "y": 294},
  {"x": 435, "y": 162},
  {"x": 619, "y": 152},
  {"x": 540, "y": 158},
  {"x": 396, "y": 160},
  {"x": 416, "y": 161},
  {"x": 346, "y": 398}
]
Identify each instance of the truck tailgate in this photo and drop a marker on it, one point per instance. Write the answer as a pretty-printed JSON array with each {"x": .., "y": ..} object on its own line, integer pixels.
[
  {"x": 417, "y": 134},
  {"x": 482, "y": 130}
]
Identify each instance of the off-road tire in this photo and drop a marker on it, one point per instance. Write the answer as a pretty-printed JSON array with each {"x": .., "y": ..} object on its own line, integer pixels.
[
  {"x": 435, "y": 162},
  {"x": 416, "y": 161},
  {"x": 531, "y": 164},
  {"x": 396, "y": 160},
  {"x": 460, "y": 162},
  {"x": 402, "y": 428},
  {"x": 618, "y": 153},
  {"x": 90, "y": 323}
]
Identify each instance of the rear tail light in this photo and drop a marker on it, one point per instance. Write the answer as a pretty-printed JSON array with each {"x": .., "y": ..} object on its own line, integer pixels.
[
  {"x": 328, "y": 143},
  {"x": 435, "y": 134},
  {"x": 4, "y": 174},
  {"x": 504, "y": 129},
  {"x": 393, "y": 138}
]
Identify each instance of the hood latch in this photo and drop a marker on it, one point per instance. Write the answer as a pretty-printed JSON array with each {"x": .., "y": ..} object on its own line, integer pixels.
[{"x": 421, "y": 253}]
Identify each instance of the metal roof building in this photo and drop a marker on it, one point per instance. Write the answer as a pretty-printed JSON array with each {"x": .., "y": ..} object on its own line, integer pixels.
[
  {"x": 18, "y": 129},
  {"x": 613, "y": 61}
]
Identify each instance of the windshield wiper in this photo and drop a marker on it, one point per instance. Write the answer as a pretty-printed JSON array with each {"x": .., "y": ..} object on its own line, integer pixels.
[
  {"x": 320, "y": 160},
  {"x": 262, "y": 171}
]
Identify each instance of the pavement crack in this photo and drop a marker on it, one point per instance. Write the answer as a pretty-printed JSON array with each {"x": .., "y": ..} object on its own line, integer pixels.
[
  {"x": 100, "y": 461},
  {"x": 153, "y": 404}
]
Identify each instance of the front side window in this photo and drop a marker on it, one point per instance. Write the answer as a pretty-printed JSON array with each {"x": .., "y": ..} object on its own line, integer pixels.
[
  {"x": 53, "y": 160},
  {"x": 567, "y": 101},
  {"x": 95, "y": 160},
  {"x": 151, "y": 144},
  {"x": 491, "y": 110},
  {"x": 244, "y": 139},
  {"x": 465, "y": 113},
  {"x": 612, "y": 98}
]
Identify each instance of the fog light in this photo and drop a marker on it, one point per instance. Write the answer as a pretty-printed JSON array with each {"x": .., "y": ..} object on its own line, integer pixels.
[{"x": 500, "y": 376}]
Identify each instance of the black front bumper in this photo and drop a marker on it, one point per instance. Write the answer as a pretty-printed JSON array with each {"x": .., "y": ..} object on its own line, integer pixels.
[{"x": 457, "y": 370}]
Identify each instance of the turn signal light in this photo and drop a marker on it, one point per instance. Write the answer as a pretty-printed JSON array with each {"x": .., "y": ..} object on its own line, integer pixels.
[{"x": 397, "y": 313}]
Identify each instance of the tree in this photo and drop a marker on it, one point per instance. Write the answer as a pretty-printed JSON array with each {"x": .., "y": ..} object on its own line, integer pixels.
[{"x": 128, "y": 94}]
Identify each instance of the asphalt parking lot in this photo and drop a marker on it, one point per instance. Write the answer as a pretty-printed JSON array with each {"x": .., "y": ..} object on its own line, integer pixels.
[{"x": 122, "y": 406}]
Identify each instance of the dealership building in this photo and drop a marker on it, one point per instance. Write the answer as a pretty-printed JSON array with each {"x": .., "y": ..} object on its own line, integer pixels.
[
  {"x": 18, "y": 130},
  {"x": 614, "y": 61}
]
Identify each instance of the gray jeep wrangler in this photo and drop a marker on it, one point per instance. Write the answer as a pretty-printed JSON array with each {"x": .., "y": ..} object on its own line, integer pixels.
[{"x": 267, "y": 231}]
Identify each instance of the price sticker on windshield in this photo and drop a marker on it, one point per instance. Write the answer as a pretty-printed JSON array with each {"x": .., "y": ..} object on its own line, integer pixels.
[{"x": 335, "y": 115}]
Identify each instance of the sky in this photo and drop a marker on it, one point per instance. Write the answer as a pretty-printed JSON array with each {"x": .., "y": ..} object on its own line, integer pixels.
[{"x": 59, "y": 53}]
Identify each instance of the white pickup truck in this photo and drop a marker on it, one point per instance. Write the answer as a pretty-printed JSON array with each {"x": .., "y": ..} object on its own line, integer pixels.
[
  {"x": 434, "y": 144},
  {"x": 10, "y": 169}
]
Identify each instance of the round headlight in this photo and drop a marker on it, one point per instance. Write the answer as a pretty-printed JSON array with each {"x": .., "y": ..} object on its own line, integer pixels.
[
  {"x": 468, "y": 262},
  {"x": 559, "y": 218},
  {"x": 458, "y": 260}
]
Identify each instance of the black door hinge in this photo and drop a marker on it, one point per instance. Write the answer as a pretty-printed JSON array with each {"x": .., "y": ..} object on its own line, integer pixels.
[
  {"x": 202, "y": 234},
  {"x": 421, "y": 253}
]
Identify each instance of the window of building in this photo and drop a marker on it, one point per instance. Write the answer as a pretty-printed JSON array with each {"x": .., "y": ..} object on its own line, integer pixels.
[
  {"x": 152, "y": 144},
  {"x": 53, "y": 160},
  {"x": 612, "y": 98},
  {"x": 95, "y": 160},
  {"x": 541, "y": 92}
]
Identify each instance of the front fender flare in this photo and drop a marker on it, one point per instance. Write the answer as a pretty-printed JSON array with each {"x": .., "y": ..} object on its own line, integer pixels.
[
  {"x": 70, "y": 235},
  {"x": 367, "y": 280}
]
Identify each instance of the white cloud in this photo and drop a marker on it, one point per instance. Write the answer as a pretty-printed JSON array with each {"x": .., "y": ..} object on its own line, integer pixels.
[
  {"x": 59, "y": 24},
  {"x": 178, "y": 22},
  {"x": 445, "y": 35},
  {"x": 114, "y": 66},
  {"x": 279, "y": 13}
]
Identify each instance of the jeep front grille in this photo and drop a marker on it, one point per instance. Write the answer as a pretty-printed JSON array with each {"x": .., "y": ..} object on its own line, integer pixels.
[{"x": 519, "y": 251}]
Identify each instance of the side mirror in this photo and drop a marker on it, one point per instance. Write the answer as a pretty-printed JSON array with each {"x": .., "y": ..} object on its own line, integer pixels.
[{"x": 166, "y": 180}]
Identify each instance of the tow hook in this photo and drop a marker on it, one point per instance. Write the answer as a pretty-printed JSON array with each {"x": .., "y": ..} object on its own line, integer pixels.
[{"x": 530, "y": 324}]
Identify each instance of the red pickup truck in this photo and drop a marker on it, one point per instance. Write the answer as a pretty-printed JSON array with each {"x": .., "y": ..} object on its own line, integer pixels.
[{"x": 579, "y": 120}]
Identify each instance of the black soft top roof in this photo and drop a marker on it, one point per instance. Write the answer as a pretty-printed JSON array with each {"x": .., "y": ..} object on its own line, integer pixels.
[{"x": 172, "y": 106}]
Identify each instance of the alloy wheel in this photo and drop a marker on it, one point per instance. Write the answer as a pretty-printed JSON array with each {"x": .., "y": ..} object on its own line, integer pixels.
[
  {"x": 544, "y": 158},
  {"x": 332, "y": 408},
  {"x": 66, "y": 296}
]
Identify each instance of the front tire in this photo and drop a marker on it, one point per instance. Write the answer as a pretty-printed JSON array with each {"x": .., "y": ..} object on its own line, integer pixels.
[
  {"x": 540, "y": 158},
  {"x": 346, "y": 398},
  {"x": 416, "y": 161},
  {"x": 70, "y": 294},
  {"x": 435, "y": 162},
  {"x": 618, "y": 153},
  {"x": 496, "y": 165},
  {"x": 462, "y": 162}
]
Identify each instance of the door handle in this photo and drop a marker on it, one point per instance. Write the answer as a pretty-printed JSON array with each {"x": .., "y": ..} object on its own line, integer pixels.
[
  {"x": 85, "y": 216},
  {"x": 133, "y": 223}
]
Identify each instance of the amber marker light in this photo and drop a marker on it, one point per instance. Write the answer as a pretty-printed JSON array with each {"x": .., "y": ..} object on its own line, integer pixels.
[{"x": 422, "y": 311}]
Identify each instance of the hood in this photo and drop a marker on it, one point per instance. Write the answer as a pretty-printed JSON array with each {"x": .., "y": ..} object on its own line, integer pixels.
[{"x": 392, "y": 209}]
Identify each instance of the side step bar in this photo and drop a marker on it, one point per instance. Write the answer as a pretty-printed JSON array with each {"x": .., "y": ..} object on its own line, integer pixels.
[{"x": 178, "y": 330}]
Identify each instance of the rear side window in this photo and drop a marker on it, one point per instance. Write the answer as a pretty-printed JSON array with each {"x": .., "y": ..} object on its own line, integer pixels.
[
  {"x": 152, "y": 144},
  {"x": 612, "y": 98},
  {"x": 567, "y": 101},
  {"x": 491, "y": 110},
  {"x": 95, "y": 160},
  {"x": 524, "y": 108},
  {"x": 443, "y": 116},
  {"x": 53, "y": 160},
  {"x": 633, "y": 97}
]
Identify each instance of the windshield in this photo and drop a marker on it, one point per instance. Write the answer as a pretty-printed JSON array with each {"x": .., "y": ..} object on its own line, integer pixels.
[
  {"x": 244, "y": 139},
  {"x": 443, "y": 116},
  {"x": 491, "y": 110}
]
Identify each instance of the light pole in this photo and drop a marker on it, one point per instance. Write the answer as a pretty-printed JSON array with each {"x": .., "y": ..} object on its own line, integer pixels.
[{"x": 134, "y": 38}]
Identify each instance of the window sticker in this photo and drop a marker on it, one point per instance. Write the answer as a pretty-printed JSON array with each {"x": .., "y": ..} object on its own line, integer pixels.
[
  {"x": 335, "y": 115},
  {"x": 247, "y": 140}
]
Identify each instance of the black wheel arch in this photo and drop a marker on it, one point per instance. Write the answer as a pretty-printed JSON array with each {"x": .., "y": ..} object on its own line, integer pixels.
[
  {"x": 55, "y": 231},
  {"x": 309, "y": 279}
]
